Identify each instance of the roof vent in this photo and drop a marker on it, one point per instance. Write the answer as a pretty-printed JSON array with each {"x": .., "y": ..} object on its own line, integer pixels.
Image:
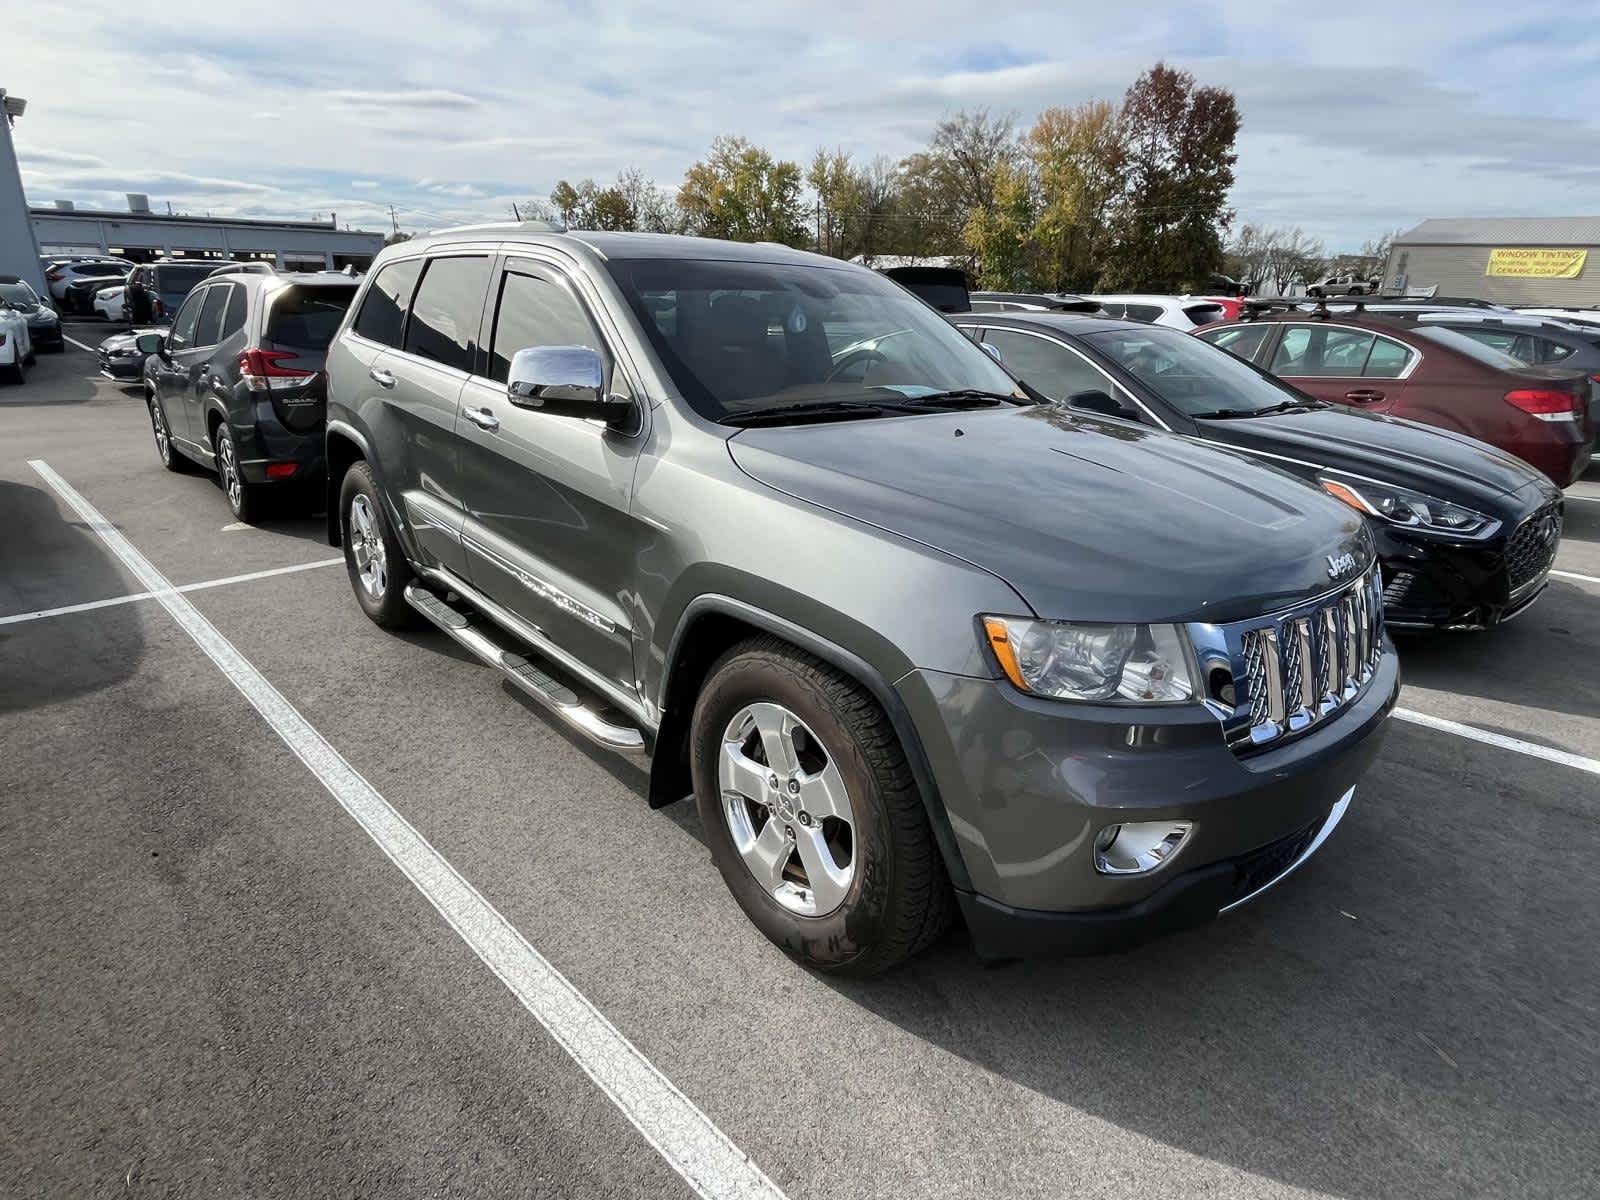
[{"x": 138, "y": 202}]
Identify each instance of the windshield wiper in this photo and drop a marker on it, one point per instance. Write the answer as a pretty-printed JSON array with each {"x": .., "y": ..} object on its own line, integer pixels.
[
  {"x": 1286, "y": 406},
  {"x": 964, "y": 395},
  {"x": 779, "y": 414}
]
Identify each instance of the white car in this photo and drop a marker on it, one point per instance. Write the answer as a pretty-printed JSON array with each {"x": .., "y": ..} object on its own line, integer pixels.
[
  {"x": 108, "y": 303},
  {"x": 59, "y": 275},
  {"x": 1175, "y": 312},
  {"x": 16, "y": 346}
]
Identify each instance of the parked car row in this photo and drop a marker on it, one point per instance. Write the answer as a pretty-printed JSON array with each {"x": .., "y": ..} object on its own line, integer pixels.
[{"x": 27, "y": 325}]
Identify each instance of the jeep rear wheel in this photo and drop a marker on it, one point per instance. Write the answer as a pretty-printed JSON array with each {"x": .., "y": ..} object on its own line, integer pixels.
[{"x": 812, "y": 813}]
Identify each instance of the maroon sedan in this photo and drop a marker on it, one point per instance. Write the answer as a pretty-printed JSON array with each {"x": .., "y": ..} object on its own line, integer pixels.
[{"x": 1391, "y": 363}]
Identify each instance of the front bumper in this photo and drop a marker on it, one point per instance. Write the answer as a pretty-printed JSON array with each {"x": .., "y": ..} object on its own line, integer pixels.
[
  {"x": 123, "y": 370},
  {"x": 1430, "y": 583},
  {"x": 46, "y": 335},
  {"x": 1028, "y": 783}
]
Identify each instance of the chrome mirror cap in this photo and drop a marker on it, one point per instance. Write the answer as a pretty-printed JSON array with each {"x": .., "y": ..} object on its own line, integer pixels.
[{"x": 539, "y": 374}]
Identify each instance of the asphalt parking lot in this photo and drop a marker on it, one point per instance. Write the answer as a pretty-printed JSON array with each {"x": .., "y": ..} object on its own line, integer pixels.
[{"x": 216, "y": 983}]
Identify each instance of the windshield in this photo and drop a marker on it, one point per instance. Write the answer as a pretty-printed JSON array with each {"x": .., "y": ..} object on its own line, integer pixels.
[
  {"x": 740, "y": 337},
  {"x": 18, "y": 293},
  {"x": 1194, "y": 377}
]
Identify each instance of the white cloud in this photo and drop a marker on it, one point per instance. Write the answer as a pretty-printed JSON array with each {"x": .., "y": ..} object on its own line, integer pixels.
[{"x": 1356, "y": 118}]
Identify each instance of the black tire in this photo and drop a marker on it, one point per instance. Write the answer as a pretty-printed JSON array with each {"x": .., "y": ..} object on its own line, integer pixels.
[
  {"x": 171, "y": 457},
  {"x": 899, "y": 899},
  {"x": 245, "y": 500},
  {"x": 12, "y": 372},
  {"x": 33, "y": 357},
  {"x": 388, "y": 608}
]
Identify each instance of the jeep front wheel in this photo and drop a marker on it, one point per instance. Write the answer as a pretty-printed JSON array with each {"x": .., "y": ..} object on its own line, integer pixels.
[{"x": 812, "y": 813}]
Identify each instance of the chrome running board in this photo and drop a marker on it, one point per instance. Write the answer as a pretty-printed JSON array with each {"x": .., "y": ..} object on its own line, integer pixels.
[{"x": 528, "y": 677}]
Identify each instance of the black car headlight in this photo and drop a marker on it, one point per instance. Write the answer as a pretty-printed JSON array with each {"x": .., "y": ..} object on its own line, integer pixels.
[{"x": 1402, "y": 506}]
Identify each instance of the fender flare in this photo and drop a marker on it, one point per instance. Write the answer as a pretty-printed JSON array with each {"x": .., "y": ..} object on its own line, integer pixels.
[{"x": 862, "y": 672}]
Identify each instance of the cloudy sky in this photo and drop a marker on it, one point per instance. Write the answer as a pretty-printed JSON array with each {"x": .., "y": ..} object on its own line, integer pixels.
[{"x": 1357, "y": 119}]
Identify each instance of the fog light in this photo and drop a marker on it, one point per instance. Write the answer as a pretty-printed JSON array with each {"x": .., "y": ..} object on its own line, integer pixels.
[{"x": 1138, "y": 848}]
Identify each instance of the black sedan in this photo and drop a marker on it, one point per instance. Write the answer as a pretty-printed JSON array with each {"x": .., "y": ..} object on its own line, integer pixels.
[
  {"x": 44, "y": 325},
  {"x": 1467, "y": 534},
  {"x": 120, "y": 357}
]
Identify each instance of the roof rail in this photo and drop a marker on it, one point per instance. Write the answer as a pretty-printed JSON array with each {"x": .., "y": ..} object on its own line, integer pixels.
[{"x": 555, "y": 226}]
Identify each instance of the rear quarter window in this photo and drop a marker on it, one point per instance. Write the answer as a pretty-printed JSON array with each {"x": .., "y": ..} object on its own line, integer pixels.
[
  {"x": 306, "y": 318},
  {"x": 383, "y": 310}
]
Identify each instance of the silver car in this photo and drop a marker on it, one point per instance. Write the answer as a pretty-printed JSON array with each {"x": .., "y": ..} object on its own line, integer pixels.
[{"x": 917, "y": 642}]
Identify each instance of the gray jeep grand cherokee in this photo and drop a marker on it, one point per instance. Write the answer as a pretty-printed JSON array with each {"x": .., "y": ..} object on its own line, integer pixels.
[{"x": 914, "y": 640}]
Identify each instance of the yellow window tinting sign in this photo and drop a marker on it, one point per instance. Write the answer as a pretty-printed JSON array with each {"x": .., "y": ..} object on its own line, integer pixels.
[{"x": 1537, "y": 262}]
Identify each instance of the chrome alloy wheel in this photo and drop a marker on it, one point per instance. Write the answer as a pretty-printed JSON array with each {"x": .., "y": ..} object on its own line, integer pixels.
[
  {"x": 158, "y": 423},
  {"x": 228, "y": 468},
  {"x": 366, "y": 544},
  {"x": 787, "y": 809}
]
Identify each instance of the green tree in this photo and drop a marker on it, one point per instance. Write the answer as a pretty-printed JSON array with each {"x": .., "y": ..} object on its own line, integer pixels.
[
  {"x": 1001, "y": 234},
  {"x": 1166, "y": 225},
  {"x": 739, "y": 191},
  {"x": 837, "y": 184},
  {"x": 1077, "y": 156}
]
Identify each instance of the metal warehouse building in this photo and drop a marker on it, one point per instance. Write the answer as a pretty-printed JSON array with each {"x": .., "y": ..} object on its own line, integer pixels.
[
  {"x": 141, "y": 235},
  {"x": 1513, "y": 260}
]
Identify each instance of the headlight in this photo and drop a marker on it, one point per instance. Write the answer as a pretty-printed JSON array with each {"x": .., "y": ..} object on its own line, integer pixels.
[
  {"x": 1139, "y": 664},
  {"x": 1401, "y": 506}
]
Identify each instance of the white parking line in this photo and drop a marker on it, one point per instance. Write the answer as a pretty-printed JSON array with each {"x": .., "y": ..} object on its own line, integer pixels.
[
  {"x": 78, "y": 344},
  {"x": 1489, "y": 738},
  {"x": 683, "y": 1135},
  {"x": 89, "y": 606},
  {"x": 1575, "y": 575}
]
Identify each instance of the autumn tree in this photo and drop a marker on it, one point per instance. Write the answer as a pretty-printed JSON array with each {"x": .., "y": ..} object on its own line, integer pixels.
[
  {"x": 1077, "y": 157},
  {"x": 1171, "y": 211},
  {"x": 740, "y": 191},
  {"x": 1272, "y": 259},
  {"x": 1000, "y": 234},
  {"x": 837, "y": 184}
]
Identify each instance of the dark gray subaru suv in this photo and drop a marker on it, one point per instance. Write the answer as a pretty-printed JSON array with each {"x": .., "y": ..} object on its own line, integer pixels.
[{"x": 913, "y": 640}]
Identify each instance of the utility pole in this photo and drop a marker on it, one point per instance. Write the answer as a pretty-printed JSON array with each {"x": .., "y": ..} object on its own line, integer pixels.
[
  {"x": 820, "y": 250},
  {"x": 394, "y": 220},
  {"x": 515, "y": 213}
]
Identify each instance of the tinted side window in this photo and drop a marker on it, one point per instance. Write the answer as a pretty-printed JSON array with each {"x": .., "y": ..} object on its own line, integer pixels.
[
  {"x": 233, "y": 319},
  {"x": 183, "y": 324},
  {"x": 536, "y": 312},
  {"x": 1321, "y": 353},
  {"x": 1054, "y": 370},
  {"x": 1243, "y": 340},
  {"x": 209, "y": 331},
  {"x": 1143, "y": 312},
  {"x": 444, "y": 316},
  {"x": 1387, "y": 360},
  {"x": 383, "y": 312}
]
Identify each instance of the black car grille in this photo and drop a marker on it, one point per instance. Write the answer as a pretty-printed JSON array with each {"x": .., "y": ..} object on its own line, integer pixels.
[
  {"x": 1302, "y": 666},
  {"x": 1532, "y": 548}
]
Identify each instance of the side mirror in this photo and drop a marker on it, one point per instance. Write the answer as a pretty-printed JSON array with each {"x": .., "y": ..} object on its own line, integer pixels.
[
  {"x": 1104, "y": 403},
  {"x": 993, "y": 352},
  {"x": 150, "y": 343},
  {"x": 564, "y": 381}
]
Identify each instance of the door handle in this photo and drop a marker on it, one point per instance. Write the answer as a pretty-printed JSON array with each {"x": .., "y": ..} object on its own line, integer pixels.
[
  {"x": 1363, "y": 396},
  {"x": 482, "y": 418},
  {"x": 381, "y": 377}
]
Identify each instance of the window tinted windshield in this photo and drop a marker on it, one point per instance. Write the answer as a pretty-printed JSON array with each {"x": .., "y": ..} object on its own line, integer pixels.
[
  {"x": 738, "y": 337},
  {"x": 18, "y": 293},
  {"x": 180, "y": 278},
  {"x": 1187, "y": 373},
  {"x": 307, "y": 317}
]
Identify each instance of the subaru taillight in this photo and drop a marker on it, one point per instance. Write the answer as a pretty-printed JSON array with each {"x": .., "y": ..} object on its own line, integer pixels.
[
  {"x": 262, "y": 372},
  {"x": 1546, "y": 404}
]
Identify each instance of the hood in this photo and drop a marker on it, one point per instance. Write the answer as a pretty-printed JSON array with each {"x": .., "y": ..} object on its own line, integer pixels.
[
  {"x": 1450, "y": 466},
  {"x": 1088, "y": 519}
]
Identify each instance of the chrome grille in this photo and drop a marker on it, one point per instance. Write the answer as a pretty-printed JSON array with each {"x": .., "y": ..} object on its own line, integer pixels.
[{"x": 1292, "y": 669}]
